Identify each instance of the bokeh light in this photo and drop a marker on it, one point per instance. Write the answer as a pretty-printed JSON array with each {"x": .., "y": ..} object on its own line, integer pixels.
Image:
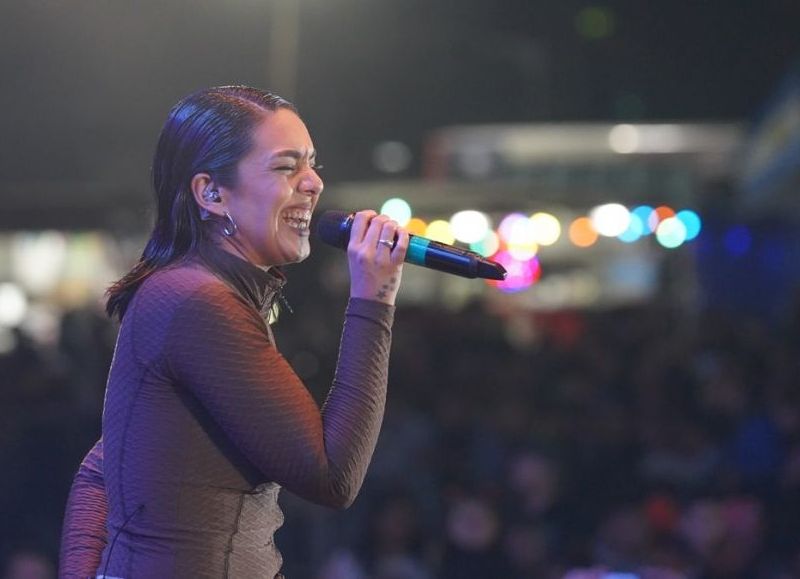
[
  {"x": 521, "y": 274},
  {"x": 595, "y": 22},
  {"x": 487, "y": 246},
  {"x": 582, "y": 233},
  {"x": 634, "y": 231},
  {"x": 610, "y": 219},
  {"x": 546, "y": 228},
  {"x": 643, "y": 212},
  {"x": 507, "y": 225},
  {"x": 391, "y": 156},
  {"x": 13, "y": 305},
  {"x": 521, "y": 239},
  {"x": 658, "y": 215},
  {"x": 623, "y": 139},
  {"x": 469, "y": 226},
  {"x": 440, "y": 230},
  {"x": 416, "y": 226},
  {"x": 671, "y": 232},
  {"x": 737, "y": 240},
  {"x": 398, "y": 209},
  {"x": 691, "y": 220}
]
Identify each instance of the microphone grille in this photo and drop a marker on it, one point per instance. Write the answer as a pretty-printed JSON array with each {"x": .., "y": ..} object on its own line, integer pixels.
[{"x": 333, "y": 228}]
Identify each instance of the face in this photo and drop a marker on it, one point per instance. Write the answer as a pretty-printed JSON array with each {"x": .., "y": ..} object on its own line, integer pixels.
[{"x": 277, "y": 190}]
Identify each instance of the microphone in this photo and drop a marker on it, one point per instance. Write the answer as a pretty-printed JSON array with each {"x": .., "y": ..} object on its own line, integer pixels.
[{"x": 334, "y": 227}]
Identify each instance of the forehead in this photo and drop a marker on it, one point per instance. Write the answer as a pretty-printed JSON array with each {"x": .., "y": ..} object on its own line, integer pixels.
[{"x": 281, "y": 130}]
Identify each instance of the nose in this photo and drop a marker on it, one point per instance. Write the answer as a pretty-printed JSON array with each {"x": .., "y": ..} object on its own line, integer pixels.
[{"x": 311, "y": 182}]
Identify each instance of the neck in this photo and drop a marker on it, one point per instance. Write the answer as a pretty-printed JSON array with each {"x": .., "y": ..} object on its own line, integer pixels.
[{"x": 237, "y": 248}]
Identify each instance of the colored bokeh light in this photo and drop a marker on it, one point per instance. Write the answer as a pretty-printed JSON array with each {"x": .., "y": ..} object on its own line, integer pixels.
[
  {"x": 508, "y": 225},
  {"x": 546, "y": 228},
  {"x": 658, "y": 215},
  {"x": 738, "y": 240},
  {"x": 595, "y": 22},
  {"x": 643, "y": 212},
  {"x": 416, "y": 226},
  {"x": 582, "y": 233},
  {"x": 521, "y": 239},
  {"x": 634, "y": 231},
  {"x": 610, "y": 219},
  {"x": 521, "y": 274},
  {"x": 487, "y": 246},
  {"x": 469, "y": 226},
  {"x": 691, "y": 221},
  {"x": 671, "y": 232},
  {"x": 440, "y": 231},
  {"x": 398, "y": 209}
]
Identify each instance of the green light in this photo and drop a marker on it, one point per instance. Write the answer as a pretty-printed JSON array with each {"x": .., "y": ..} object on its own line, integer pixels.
[
  {"x": 397, "y": 209},
  {"x": 595, "y": 22},
  {"x": 671, "y": 233},
  {"x": 487, "y": 246}
]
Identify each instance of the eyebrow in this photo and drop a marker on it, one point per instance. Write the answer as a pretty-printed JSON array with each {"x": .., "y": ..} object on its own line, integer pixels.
[{"x": 293, "y": 153}]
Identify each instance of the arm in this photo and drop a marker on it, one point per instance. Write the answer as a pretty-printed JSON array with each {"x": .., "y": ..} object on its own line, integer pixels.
[
  {"x": 219, "y": 349},
  {"x": 83, "y": 536}
]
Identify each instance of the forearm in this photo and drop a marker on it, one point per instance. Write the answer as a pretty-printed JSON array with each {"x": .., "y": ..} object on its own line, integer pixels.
[{"x": 353, "y": 411}]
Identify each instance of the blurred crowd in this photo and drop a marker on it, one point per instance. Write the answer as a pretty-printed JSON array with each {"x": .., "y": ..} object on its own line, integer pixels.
[{"x": 516, "y": 445}]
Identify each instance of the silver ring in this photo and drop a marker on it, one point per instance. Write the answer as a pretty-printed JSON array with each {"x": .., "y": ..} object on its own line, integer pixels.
[{"x": 387, "y": 242}]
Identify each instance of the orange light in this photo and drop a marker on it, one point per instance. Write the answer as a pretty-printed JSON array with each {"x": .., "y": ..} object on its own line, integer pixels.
[
  {"x": 581, "y": 232},
  {"x": 416, "y": 226},
  {"x": 658, "y": 215}
]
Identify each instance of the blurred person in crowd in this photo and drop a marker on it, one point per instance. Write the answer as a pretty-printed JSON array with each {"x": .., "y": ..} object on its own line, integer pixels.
[
  {"x": 473, "y": 548},
  {"x": 395, "y": 546},
  {"x": 342, "y": 564},
  {"x": 26, "y": 564},
  {"x": 204, "y": 421}
]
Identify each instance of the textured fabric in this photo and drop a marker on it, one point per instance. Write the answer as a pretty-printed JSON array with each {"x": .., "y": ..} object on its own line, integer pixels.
[{"x": 204, "y": 422}]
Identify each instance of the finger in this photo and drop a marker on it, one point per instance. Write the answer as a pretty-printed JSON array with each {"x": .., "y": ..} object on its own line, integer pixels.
[
  {"x": 360, "y": 224},
  {"x": 374, "y": 231},
  {"x": 388, "y": 234},
  {"x": 401, "y": 247}
]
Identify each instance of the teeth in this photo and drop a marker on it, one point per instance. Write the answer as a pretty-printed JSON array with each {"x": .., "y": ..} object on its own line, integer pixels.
[{"x": 297, "y": 218}]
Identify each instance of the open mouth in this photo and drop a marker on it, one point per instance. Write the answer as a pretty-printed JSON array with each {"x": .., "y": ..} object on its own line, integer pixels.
[{"x": 298, "y": 219}]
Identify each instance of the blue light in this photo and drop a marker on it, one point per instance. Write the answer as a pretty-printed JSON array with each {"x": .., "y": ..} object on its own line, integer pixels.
[
  {"x": 643, "y": 212},
  {"x": 692, "y": 222},
  {"x": 738, "y": 240},
  {"x": 634, "y": 231}
]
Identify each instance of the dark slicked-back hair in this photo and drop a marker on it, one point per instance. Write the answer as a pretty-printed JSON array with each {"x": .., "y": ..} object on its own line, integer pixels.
[{"x": 209, "y": 131}]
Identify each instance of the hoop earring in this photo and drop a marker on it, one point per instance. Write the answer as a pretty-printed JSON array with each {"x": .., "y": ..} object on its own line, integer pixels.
[{"x": 230, "y": 228}]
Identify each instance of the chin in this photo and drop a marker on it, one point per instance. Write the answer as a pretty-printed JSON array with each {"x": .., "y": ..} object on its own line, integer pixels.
[{"x": 298, "y": 256}]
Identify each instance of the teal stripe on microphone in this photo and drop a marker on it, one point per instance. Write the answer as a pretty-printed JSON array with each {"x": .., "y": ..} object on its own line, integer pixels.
[{"x": 417, "y": 246}]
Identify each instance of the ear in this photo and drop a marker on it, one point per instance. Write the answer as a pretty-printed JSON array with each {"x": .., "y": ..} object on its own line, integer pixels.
[{"x": 202, "y": 184}]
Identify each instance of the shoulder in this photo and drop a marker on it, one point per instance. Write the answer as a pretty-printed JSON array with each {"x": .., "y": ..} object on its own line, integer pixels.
[{"x": 183, "y": 287}]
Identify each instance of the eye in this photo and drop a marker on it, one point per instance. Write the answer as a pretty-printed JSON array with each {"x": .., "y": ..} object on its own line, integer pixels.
[
  {"x": 286, "y": 168},
  {"x": 318, "y": 168}
]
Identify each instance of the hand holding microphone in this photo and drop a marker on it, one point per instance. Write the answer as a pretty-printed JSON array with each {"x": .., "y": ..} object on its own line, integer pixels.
[
  {"x": 336, "y": 227},
  {"x": 376, "y": 247}
]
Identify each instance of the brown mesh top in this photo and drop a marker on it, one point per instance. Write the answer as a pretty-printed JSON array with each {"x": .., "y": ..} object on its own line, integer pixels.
[{"x": 204, "y": 422}]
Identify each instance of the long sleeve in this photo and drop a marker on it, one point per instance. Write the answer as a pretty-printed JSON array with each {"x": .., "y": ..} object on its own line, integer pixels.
[
  {"x": 84, "y": 532},
  {"x": 218, "y": 348}
]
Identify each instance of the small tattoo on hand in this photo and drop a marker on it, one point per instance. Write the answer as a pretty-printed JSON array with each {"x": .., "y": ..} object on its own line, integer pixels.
[{"x": 382, "y": 294}]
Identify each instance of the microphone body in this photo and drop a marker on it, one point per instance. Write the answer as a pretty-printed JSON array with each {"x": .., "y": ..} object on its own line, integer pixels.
[{"x": 334, "y": 229}]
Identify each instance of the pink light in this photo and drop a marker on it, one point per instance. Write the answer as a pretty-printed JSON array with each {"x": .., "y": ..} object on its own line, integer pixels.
[{"x": 520, "y": 274}]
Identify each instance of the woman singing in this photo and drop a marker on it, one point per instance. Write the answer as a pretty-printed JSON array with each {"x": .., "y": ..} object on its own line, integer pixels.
[{"x": 204, "y": 421}]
